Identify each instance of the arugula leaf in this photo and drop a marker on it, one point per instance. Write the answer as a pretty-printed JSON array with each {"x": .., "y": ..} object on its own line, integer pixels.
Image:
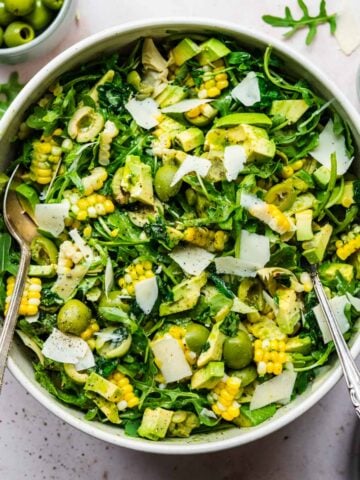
[
  {"x": 8, "y": 92},
  {"x": 306, "y": 21},
  {"x": 6, "y": 262}
]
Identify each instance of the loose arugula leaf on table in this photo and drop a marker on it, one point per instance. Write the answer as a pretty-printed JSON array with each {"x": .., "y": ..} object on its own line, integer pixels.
[
  {"x": 306, "y": 21},
  {"x": 8, "y": 92}
]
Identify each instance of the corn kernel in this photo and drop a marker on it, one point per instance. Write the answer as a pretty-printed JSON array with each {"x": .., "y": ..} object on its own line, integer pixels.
[
  {"x": 213, "y": 92},
  {"x": 297, "y": 165},
  {"x": 209, "y": 84},
  {"x": 287, "y": 172},
  {"x": 193, "y": 113},
  {"x": 222, "y": 84}
]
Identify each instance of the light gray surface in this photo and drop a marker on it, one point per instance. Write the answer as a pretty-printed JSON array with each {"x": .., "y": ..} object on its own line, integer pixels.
[{"x": 36, "y": 445}]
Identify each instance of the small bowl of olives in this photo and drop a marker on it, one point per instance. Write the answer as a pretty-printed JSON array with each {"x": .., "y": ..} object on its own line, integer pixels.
[{"x": 30, "y": 28}]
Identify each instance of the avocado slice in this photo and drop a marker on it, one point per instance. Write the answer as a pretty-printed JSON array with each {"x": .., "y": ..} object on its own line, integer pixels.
[
  {"x": 208, "y": 376},
  {"x": 314, "y": 250},
  {"x": 233, "y": 119},
  {"x": 185, "y": 50},
  {"x": 109, "y": 409},
  {"x": 212, "y": 50},
  {"x": 170, "y": 95},
  {"x": 328, "y": 271},
  {"x": 299, "y": 345},
  {"x": 292, "y": 110},
  {"x": 108, "y": 390},
  {"x": 322, "y": 176},
  {"x": 42, "y": 270},
  {"x": 190, "y": 138},
  {"x": 185, "y": 295},
  {"x": 304, "y": 225},
  {"x": 155, "y": 423},
  {"x": 137, "y": 180},
  {"x": 251, "y": 418},
  {"x": 289, "y": 310},
  {"x": 215, "y": 343}
]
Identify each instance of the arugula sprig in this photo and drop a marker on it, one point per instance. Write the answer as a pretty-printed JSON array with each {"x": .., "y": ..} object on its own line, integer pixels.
[
  {"x": 306, "y": 21},
  {"x": 8, "y": 92}
]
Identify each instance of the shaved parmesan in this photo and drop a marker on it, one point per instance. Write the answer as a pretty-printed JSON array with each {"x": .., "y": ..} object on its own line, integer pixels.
[
  {"x": 86, "y": 362},
  {"x": 235, "y": 266},
  {"x": 171, "y": 359},
  {"x": 247, "y": 91},
  {"x": 108, "y": 277},
  {"x": 146, "y": 294},
  {"x": 193, "y": 260},
  {"x": 191, "y": 163},
  {"x": 64, "y": 348},
  {"x": 276, "y": 390},
  {"x": 50, "y": 217},
  {"x": 355, "y": 302},
  {"x": 186, "y": 105},
  {"x": 144, "y": 112},
  {"x": 347, "y": 31},
  {"x": 254, "y": 249},
  {"x": 234, "y": 161},
  {"x": 330, "y": 143},
  {"x": 32, "y": 318},
  {"x": 337, "y": 305},
  {"x": 81, "y": 244}
]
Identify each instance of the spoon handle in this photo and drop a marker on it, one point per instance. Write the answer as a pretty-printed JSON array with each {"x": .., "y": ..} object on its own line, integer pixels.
[
  {"x": 351, "y": 372},
  {"x": 9, "y": 325}
]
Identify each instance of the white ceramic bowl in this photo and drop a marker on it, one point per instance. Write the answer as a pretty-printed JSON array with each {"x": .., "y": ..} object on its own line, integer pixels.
[
  {"x": 45, "y": 41},
  {"x": 114, "y": 39}
]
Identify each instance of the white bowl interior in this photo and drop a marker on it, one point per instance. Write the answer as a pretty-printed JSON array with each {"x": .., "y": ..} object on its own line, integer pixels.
[{"x": 113, "y": 40}]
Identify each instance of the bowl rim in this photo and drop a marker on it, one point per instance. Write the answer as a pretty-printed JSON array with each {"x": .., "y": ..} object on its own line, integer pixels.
[
  {"x": 53, "y": 404},
  {"x": 52, "y": 27}
]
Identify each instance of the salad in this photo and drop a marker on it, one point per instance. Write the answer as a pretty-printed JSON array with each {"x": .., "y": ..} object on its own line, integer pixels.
[{"x": 180, "y": 193}]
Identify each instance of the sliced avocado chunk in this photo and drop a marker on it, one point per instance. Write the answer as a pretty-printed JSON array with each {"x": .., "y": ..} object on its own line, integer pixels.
[
  {"x": 208, "y": 112},
  {"x": 304, "y": 225},
  {"x": 247, "y": 375},
  {"x": 289, "y": 310},
  {"x": 137, "y": 180},
  {"x": 215, "y": 139},
  {"x": 292, "y": 110},
  {"x": 72, "y": 373},
  {"x": 185, "y": 50},
  {"x": 355, "y": 261},
  {"x": 322, "y": 176},
  {"x": 170, "y": 95},
  {"x": 42, "y": 270},
  {"x": 233, "y": 119},
  {"x": 208, "y": 376},
  {"x": 108, "y": 390},
  {"x": 251, "y": 418},
  {"x": 212, "y": 50},
  {"x": 190, "y": 138},
  {"x": 185, "y": 295},
  {"x": 155, "y": 423},
  {"x": 328, "y": 271},
  {"x": 109, "y": 409},
  {"x": 215, "y": 344},
  {"x": 314, "y": 250},
  {"x": 299, "y": 345}
]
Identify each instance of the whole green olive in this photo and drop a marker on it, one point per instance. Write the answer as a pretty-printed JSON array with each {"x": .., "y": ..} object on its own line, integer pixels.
[
  {"x": 238, "y": 351},
  {"x": 40, "y": 17},
  {"x": 5, "y": 16},
  {"x": 162, "y": 182},
  {"x": 196, "y": 336},
  {"x": 18, "y": 33},
  {"x": 19, "y": 7},
  {"x": 53, "y": 4},
  {"x": 113, "y": 342},
  {"x": 73, "y": 317}
]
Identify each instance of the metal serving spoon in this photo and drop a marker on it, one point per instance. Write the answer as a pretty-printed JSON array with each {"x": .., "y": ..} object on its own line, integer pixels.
[
  {"x": 23, "y": 229},
  {"x": 351, "y": 372}
]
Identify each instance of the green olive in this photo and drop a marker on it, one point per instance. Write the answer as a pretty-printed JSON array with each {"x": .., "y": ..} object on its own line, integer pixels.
[
  {"x": 238, "y": 351},
  {"x": 73, "y": 317},
  {"x": 19, "y": 7},
  {"x": 162, "y": 182},
  {"x": 5, "y": 16},
  {"x": 18, "y": 33},
  {"x": 53, "y": 4},
  {"x": 283, "y": 195},
  {"x": 196, "y": 336},
  {"x": 247, "y": 375},
  {"x": 40, "y": 17},
  {"x": 113, "y": 342},
  {"x": 43, "y": 251}
]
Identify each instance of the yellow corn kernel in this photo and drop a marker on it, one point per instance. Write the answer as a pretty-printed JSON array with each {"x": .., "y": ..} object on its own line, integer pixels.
[
  {"x": 87, "y": 334},
  {"x": 297, "y": 165},
  {"x": 193, "y": 113},
  {"x": 287, "y": 172},
  {"x": 95, "y": 327},
  {"x": 82, "y": 215},
  {"x": 133, "y": 402},
  {"x": 83, "y": 203},
  {"x": 348, "y": 248},
  {"x": 139, "y": 269},
  {"x": 123, "y": 382},
  {"x": 210, "y": 84},
  {"x": 257, "y": 344},
  {"x": 222, "y": 84},
  {"x": 220, "y": 76},
  {"x": 277, "y": 368},
  {"x": 121, "y": 283},
  {"x": 147, "y": 265},
  {"x": 31, "y": 310},
  {"x": 282, "y": 357},
  {"x": 258, "y": 355},
  {"x": 34, "y": 294},
  {"x": 281, "y": 346},
  {"x": 130, "y": 289},
  {"x": 114, "y": 233},
  {"x": 43, "y": 147},
  {"x": 43, "y": 180},
  {"x": 87, "y": 231},
  {"x": 213, "y": 92}
]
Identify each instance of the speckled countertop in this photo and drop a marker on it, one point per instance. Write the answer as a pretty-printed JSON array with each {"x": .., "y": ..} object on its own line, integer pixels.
[{"x": 36, "y": 445}]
